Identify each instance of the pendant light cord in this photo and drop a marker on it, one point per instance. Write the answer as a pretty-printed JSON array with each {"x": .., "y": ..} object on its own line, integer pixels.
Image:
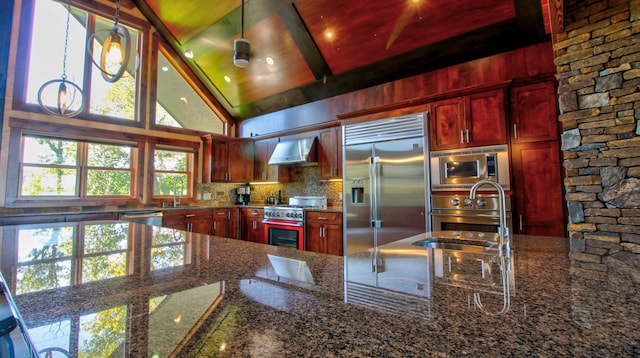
[
  {"x": 117, "y": 13},
  {"x": 242, "y": 20},
  {"x": 66, "y": 42}
]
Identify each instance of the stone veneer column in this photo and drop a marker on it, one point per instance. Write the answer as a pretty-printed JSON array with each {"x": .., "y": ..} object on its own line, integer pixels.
[{"x": 598, "y": 71}]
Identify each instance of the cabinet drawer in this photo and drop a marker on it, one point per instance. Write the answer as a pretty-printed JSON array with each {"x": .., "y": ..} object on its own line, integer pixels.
[
  {"x": 324, "y": 217},
  {"x": 254, "y": 213}
]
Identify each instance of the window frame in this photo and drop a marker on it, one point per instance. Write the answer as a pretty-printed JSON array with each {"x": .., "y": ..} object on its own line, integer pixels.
[
  {"x": 192, "y": 169},
  {"x": 98, "y": 10},
  {"x": 160, "y": 46},
  {"x": 20, "y": 128}
]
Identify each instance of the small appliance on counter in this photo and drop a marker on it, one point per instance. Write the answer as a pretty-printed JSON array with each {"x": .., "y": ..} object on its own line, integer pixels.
[{"x": 243, "y": 195}]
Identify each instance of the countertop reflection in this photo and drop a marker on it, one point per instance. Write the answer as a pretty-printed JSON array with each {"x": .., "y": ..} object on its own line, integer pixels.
[{"x": 117, "y": 289}]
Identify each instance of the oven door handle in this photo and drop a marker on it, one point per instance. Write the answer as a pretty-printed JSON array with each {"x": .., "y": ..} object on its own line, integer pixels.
[{"x": 298, "y": 224}]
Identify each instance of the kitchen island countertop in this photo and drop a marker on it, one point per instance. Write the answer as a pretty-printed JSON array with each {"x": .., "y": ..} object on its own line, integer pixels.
[{"x": 125, "y": 289}]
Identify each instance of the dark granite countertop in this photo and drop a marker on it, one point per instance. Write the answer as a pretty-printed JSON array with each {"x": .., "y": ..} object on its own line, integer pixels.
[{"x": 124, "y": 289}]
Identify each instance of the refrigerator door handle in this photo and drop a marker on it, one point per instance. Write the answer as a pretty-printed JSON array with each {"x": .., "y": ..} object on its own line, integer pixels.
[{"x": 374, "y": 170}]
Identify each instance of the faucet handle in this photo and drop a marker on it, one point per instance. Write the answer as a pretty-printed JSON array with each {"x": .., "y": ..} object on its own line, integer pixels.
[{"x": 468, "y": 202}]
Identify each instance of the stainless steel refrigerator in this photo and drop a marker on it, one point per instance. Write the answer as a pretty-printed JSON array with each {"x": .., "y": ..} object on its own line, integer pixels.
[{"x": 385, "y": 200}]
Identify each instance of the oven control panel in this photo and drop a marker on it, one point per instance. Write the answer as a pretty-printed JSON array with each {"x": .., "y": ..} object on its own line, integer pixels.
[
  {"x": 489, "y": 202},
  {"x": 292, "y": 214}
]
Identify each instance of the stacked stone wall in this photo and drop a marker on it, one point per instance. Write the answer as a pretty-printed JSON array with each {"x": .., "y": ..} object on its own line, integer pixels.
[{"x": 598, "y": 71}]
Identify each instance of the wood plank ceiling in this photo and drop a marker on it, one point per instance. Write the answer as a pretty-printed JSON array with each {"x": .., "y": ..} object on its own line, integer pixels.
[{"x": 307, "y": 50}]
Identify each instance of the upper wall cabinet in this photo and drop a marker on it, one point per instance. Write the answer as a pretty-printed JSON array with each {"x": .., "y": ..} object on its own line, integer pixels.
[
  {"x": 263, "y": 172},
  {"x": 469, "y": 121},
  {"x": 330, "y": 154},
  {"x": 231, "y": 160},
  {"x": 534, "y": 115}
]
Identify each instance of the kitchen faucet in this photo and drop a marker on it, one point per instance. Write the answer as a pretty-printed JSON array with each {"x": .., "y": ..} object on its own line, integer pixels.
[
  {"x": 503, "y": 231},
  {"x": 176, "y": 198}
]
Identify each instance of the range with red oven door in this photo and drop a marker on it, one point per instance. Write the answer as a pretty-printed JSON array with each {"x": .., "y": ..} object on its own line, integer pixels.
[{"x": 284, "y": 224}]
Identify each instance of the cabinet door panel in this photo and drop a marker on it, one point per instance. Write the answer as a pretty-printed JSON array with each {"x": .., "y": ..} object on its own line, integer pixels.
[
  {"x": 314, "y": 240},
  {"x": 446, "y": 123},
  {"x": 488, "y": 122},
  {"x": 240, "y": 161},
  {"x": 538, "y": 189},
  {"x": 330, "y": 154},
  {"x": 333, "y": 235},
  {"x": 219, "y": 161},
  {"x": 534, "y": 113}
]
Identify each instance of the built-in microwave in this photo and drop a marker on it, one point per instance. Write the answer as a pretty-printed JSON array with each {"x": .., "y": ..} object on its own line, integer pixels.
[{"x": 459, "y": 169}]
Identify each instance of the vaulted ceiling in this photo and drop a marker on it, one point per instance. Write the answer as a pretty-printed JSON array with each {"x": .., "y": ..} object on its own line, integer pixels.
[{"x": 307, "y": 50}]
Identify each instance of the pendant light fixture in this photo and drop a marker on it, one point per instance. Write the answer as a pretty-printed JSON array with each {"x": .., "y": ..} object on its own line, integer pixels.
[
  {"x": 116, "y": 49},
  {"x": 69, "y": 98},
  {"x": 241, "y": 46}
]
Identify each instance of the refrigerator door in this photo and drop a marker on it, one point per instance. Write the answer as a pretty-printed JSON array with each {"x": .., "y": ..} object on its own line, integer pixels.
[
  {"x": 385, "y": 197},
  {"x": 400, "y": 195},
  {"x": 359, "y": 233}
]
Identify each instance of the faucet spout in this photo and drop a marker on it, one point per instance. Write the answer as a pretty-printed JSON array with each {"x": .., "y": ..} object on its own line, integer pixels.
[{"x": 503, "y": 230}]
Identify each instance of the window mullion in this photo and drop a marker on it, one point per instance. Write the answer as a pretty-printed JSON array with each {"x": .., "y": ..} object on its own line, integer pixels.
[
  {"x": 83, "y": 173},
  {"x": 88, "y": 65}
]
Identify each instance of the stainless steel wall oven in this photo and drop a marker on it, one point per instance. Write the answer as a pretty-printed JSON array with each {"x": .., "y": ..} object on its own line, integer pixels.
[{"x": 459, "y": 213}]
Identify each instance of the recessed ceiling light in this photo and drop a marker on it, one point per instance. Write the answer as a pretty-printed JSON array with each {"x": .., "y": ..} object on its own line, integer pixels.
[
  {"x": 269, "y": 60},
  {"x": 165, "y": 68},
  {"x": 328, "y": 34},
  {"x": 227, "y": 79},
  {"x": 188, "y": 54}
]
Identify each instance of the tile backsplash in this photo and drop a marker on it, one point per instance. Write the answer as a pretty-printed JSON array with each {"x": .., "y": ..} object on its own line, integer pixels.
[{"x": 304, "y": 182}]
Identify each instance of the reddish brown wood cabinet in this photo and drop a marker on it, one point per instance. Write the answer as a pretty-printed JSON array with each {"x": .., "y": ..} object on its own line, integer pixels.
[
  {"x": 539, "y": 206},
  {"x": 262, "y": 171},
  {"x": 330, "y": 154},
  {"x": 251, "y": 225},
  {"x": 536, "y": 162},
  {"x": 475, "y": 120},
  {"x": 323, "y": 232},
  {"x": 534, "y": 115},
  {"x": 225, "y": 222},
  {"x": 232, "y": 161},
  {"x": 193, "y": 220}
]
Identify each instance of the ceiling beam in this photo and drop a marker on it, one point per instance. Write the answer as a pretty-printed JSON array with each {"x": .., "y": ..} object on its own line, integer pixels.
[{"x": 302, "y": 38}]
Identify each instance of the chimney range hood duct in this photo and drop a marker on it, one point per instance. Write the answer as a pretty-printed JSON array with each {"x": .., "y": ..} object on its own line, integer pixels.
[{"x": 301, "y": 151}]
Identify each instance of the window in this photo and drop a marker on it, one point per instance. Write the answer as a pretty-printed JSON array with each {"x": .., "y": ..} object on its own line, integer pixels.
[
  {"x": 46, "y": 53},
  {"x": 58, "y": 167},
  {"x": 178, "y": 104},
  {"x": 173, "y": 171}
]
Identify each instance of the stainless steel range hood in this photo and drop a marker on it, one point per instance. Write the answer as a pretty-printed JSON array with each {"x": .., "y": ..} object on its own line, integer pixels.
[{"x": 301, "y": 151}]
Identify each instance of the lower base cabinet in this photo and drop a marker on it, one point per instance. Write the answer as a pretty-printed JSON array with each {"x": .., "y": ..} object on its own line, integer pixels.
[
  {"x": 225, "y": 222},
  {"x": 324, "y": 232},
  {"x": 192, "y": 220},
  {"x": 251, "y": 225}
]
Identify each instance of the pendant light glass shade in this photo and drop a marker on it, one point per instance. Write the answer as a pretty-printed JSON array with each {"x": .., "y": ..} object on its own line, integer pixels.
[
  {"x": 116, "y": 49},
  {"x": 61, "y": 97}
]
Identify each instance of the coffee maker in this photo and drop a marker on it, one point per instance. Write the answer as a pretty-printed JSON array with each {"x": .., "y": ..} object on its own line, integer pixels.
[{"x": 243, "y": 195}]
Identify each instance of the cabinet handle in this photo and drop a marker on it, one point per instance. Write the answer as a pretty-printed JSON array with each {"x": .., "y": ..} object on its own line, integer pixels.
[
  {"x": 515, "y": 131},
  {"x": 322, "y": 218},
  {"x": 189, "y": 215},
  {"x": 520, "y": 222},
  {"x": 215, "y": 225},
  {"x": 467, "y": 133},
  {"x": 321, "y": 231},
  {"x": 461, "y": 136},
  {"x": 255, "y": 225}
]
